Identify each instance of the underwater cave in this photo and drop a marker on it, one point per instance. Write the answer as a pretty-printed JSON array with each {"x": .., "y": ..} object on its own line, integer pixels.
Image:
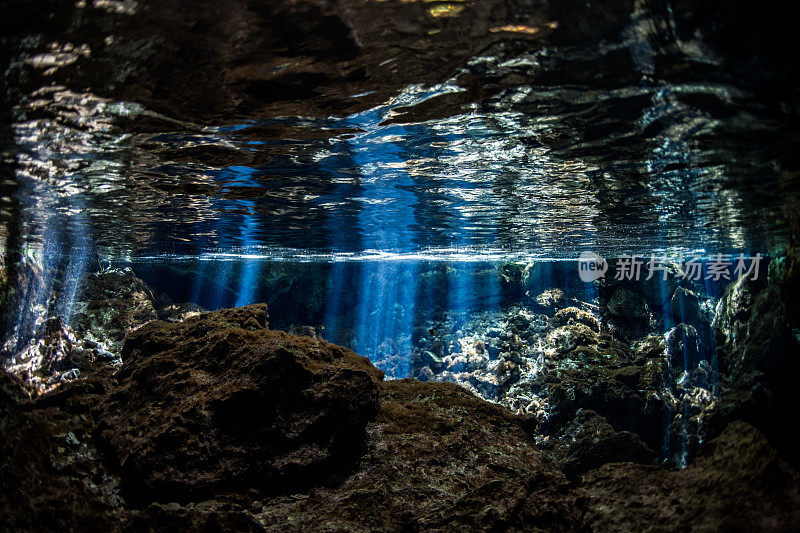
[{"x": 399, "y": 265}]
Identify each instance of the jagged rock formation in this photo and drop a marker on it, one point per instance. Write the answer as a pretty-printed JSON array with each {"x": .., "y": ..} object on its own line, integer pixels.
[
  {"x": 438, "y": 458},
  {"x": 114, "y": 302},
  {"x": 759, "y": 357}
]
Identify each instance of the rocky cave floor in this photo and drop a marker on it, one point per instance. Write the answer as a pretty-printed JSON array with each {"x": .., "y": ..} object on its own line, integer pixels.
[{"x": 145, "y": 414}]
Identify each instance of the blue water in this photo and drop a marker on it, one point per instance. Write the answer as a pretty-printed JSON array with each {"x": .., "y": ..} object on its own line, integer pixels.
[{"x": 401, "y": 182}]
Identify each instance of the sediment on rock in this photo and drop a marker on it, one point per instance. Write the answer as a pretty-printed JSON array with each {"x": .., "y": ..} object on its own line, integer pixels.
[
  {"x": 220, "y": 404},
  {"x": 438, "y": 459}
]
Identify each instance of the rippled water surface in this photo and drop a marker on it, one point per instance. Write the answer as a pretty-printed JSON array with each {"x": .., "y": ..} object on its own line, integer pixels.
[{"x": 391, "y": 127}]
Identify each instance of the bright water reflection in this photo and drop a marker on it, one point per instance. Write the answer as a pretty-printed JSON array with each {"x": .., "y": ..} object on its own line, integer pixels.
[
  {"x": 614, "y": 132},
  {"x": 521, "y": 173}
]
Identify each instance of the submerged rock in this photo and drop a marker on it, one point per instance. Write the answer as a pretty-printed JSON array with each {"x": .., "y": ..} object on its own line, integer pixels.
[
  {"x": 734, "y": 309},
  {"x": 114, "y": 302},
  {"x": 603, "y": 375},
  {"x": 590, "y": 441},
  {"x": 628, "y": 307},
  {"x": 683, "y": 347},
  {"x": 564, "y": 339},
  {"x": 685, "y": 306},
  {"x": 627, "y": 304},
  {"x": 756, "y": 333},
  {"x": 219, "y": 423},
  {"x": 439, "y": 459},
  {"x": 551, "y": 300},
  {"x": 220, "y": 403},
  {"x": 52, "y": 475},
  {"x": 736, "y": 483},
  {"x": 54, "y": 354},
  {"x": 12, "y": 393},
  {"x": 759, "y": 356},
  {"x": 573, "y": 315},
  {"x": 553, "y": 370}
]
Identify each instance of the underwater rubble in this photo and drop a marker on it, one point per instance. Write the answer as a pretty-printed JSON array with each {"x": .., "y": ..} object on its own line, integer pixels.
[
  {"x": 639, "y": 357},
  {"x": 44, "y": 350}
]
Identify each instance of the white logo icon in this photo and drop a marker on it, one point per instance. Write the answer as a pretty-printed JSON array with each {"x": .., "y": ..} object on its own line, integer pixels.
[{"x": 591, "y": 266}]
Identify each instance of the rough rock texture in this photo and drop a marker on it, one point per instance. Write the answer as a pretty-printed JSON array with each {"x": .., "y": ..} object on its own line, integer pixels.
[
  {"x": 621, "y": 356},
  {"x": 573, "y": 315},
  {"x": 590, "y": 441},
  {"x": 685, "y": 306},
  {"x": 551, "y": 300},
  {"x": 627, "y": 304},
  {"x": 439, "y": 458},
  {"x": 597, "y": 372},
  {"x": 55, "y": 354},
  {"x": 115, "y": 302},
  {"x": 737, "y": 483},
  {"x": 43, "y": 350},
  {"x": 760, "y": 356},
  {"x": 51, "y": 474},
  {"x": 217, "y": 423},
  {"x": 21, "y": 284},
  {"x": 683, "y": 346},
  {"x": 487, "y": 353},
  {"x": 221, "y": 404},
  {"x": 12, "y": 393},
  {"x": 754, "y": 329}
]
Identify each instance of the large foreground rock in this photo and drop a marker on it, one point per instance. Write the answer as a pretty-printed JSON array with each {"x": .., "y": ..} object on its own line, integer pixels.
[
  {"x": 220, "y": 404},
  {"x": 759, "y": 355}
]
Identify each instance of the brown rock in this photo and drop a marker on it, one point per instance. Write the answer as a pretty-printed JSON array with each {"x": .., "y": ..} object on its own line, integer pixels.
[
  {"x": 737, "y": 483},
  {"x": 573, "y": 315},
  {"x": 439, "y": 459},
  {"x": 605, "y": 377},
  {"x": 627, "y": 304},
  {"x": 551, "y": 299},
  {"x": 12, "y": 392},
  {"x": 218, "y": 423},
  {"x": 590, "y": 441},
  {"x": 50, "y": 474},
  {"x": 220, "y": 404}
]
